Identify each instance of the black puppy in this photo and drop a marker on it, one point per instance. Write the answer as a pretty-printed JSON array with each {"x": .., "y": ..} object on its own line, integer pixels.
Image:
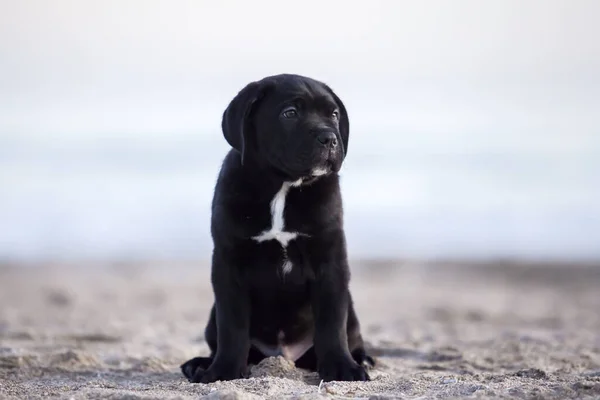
[{"x": 279, "y": 268}]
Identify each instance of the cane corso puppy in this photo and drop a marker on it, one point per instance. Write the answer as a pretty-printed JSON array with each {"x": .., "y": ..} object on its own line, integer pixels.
[{"x": 279, "y": 267}]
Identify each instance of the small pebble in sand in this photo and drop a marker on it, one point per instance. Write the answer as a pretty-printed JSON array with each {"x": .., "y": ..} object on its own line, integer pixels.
[{"x": 448, "y": 380}]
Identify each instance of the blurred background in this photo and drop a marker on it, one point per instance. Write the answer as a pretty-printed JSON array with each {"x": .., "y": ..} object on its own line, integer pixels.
[{"x": 475, "y": 128}]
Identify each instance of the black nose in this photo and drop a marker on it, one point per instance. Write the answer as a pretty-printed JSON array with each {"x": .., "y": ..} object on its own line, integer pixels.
[{"x": 327, "y": 139}]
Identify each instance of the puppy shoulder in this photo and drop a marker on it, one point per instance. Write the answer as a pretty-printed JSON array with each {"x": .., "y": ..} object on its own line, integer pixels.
[{"x": 228, "y": 176}]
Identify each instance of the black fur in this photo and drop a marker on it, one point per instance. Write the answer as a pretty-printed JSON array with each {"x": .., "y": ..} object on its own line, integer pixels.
[{"x": 254, "y": 298}]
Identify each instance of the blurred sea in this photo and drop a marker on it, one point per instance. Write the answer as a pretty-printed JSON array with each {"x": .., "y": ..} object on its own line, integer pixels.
[{"x": 111, "y": 197}]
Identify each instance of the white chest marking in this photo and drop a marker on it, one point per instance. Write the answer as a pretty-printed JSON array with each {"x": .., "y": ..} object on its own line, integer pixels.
[
  {"x": 277, "y": 223},
  {"x": 277, "y": 231},
  {"x": 319, "y": 171}
]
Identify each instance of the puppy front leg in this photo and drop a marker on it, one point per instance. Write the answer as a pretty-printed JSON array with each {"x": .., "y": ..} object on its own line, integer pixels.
[
  {"x": 232, "y": 306},
  {"x": 330, "y": 301}
]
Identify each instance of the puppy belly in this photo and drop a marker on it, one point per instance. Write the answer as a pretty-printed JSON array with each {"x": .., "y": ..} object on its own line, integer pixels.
[{"x": 291, "y": 351}]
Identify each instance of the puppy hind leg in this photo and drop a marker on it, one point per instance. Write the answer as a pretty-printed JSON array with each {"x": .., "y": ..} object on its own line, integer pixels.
[
  {"x": 308, "y": 360},
  {"x": 255, "y": 356}
]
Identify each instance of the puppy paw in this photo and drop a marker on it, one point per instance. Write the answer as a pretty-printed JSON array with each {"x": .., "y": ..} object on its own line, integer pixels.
[
  {"x": 215, "y": 373},
  {"x": 342, "y": 369},
  {"x": 190, "y": 367},
  {"x": 368, "y": 361},
  {"x": 362, "y": 358}
]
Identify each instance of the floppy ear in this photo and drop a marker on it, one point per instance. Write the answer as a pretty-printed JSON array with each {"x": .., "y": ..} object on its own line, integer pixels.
[
  {"x": 344, "y": 121},
  {"x": 237, "y": 122}
]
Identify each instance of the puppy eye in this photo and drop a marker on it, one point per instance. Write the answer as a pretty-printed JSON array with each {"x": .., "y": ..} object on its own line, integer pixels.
[
  {"x": 335, "y": 115},
  {"x": 290, "y": 113}
]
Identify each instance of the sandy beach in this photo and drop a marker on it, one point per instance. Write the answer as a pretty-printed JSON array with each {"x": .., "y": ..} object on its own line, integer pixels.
[{"x": 438, "y": 330}]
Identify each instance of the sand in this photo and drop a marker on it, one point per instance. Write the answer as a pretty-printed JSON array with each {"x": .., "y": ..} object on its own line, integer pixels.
[{"x": 438, "y": 330}]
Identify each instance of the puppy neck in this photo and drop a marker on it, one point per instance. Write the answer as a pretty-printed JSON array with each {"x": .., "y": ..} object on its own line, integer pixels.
[{"x": 261, "y": 173}]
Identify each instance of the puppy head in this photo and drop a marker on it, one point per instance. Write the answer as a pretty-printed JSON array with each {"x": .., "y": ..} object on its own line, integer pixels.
[{"x": 294, "y": 124}]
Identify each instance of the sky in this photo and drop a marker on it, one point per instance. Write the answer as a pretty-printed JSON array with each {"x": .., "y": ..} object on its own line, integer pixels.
[
  {"x": 511, "y": 87},
  {"x": 140, "y": 66}
]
